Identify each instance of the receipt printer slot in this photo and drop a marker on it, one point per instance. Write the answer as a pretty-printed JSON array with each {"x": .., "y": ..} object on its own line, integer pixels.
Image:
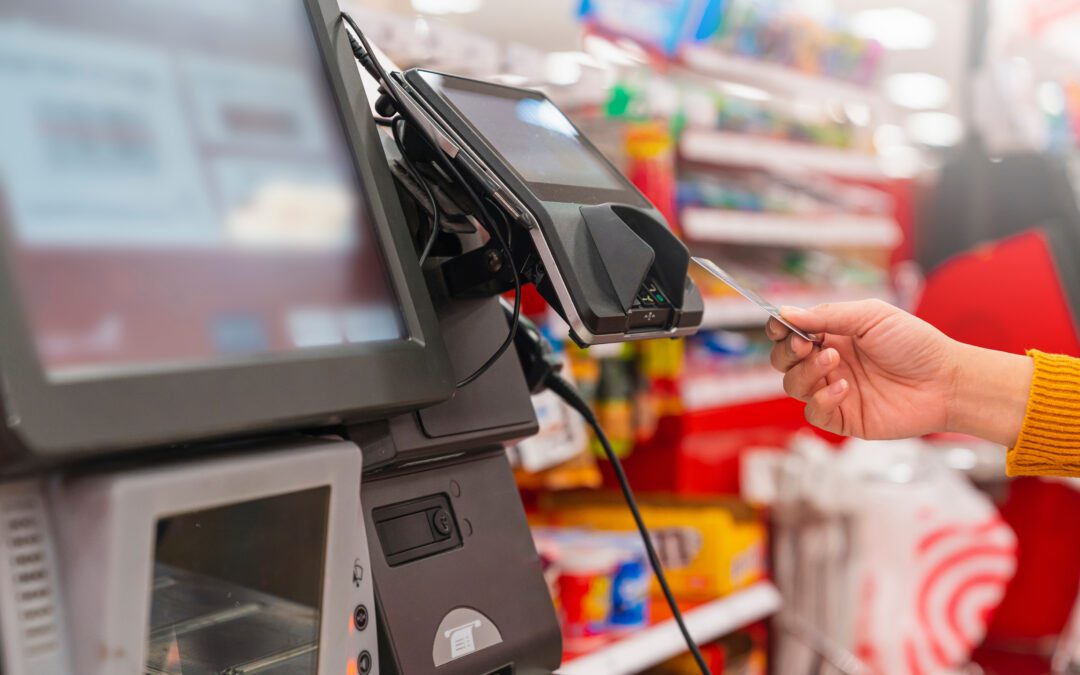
[{"x": 416, "y": 529}]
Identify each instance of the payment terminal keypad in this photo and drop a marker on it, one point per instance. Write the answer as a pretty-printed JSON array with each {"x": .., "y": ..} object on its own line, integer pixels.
[{"x": 650, "y": 309}]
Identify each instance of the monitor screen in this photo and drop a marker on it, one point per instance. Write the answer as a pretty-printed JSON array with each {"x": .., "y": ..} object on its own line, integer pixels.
[
  {"x": 175, "y": 187},
  {"x": 238, "y": 589},
  {"x": 530, "y": 132}
]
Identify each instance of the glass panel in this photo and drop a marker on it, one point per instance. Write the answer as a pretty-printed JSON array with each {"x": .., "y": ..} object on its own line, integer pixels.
[{"x": 238, "y": 589}]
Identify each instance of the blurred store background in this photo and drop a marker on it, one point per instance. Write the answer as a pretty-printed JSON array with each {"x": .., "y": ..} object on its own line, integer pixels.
[{"x": 917, "y": 151}]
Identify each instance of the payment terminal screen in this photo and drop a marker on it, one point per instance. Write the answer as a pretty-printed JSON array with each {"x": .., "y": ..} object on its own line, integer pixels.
[
  {"x": 175, "y": 188},
  {"x": 530, "y": 132}
]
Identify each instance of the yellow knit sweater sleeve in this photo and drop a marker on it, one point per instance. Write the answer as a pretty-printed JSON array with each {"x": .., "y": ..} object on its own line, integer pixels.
[{"x": 1049, "y": 441}]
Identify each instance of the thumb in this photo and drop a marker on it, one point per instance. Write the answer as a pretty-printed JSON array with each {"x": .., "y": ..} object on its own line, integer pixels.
[{"x": 839, "y": 318}]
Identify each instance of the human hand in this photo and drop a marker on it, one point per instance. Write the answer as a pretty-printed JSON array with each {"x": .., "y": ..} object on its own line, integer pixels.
[{"x": 882, "y": 373}]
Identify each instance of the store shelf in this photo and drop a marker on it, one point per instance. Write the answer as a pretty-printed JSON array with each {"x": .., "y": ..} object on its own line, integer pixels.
[
  {"x": 724, "y": 389},
  {"x": 774, "y": 77},
  {"x": 658, "y": 643},
  {"x": 735, "y": 312},
  {"x": 721, "y": 147},
  {"x": 744, "y": 227}
]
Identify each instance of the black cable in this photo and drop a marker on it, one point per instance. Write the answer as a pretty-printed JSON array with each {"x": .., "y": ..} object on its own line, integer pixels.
[
  {"x": 515, "y": 318},
  {"x": 432, "y": 237},
  {"x": 397, "y": 127},
  {"x": 492, "y": 226},
  {"x": 566, "y": 392},
  {"x": 366, "y": 56}
]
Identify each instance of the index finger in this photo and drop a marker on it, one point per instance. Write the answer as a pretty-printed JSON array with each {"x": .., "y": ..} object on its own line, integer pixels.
[
  {"x": 775, "y": 330},
  {"x": 787, "y": 353}
]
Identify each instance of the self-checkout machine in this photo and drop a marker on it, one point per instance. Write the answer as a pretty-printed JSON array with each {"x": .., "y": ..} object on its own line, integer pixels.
[
  {"x": 213, "y": 324},
  {"x": 205, "y": 277}
]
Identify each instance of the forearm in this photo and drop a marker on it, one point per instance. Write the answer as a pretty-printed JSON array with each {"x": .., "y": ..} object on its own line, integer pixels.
[{"x": 990, "y": 394}]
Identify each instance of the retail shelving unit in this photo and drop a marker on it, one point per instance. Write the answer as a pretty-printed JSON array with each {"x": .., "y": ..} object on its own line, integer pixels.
[
  {"x": 715, "y": 63},
  {"x": 795, "y": 231},
  {"x": 727, "y": 148},
  {"x": 707, "y": 392},
  {"x": 656, "y": 644}
]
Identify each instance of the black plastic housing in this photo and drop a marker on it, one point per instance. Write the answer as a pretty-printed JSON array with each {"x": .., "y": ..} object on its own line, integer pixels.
[{"x": 494, "y": 571}]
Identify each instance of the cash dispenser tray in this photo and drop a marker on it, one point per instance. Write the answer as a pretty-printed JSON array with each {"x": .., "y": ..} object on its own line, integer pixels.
[{"x": 204, "y": 624}]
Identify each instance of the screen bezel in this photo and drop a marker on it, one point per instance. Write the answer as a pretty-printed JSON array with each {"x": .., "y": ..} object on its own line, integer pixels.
[
  {"x": 49, "y": 420},
  {"x": 549, "y": 192}
]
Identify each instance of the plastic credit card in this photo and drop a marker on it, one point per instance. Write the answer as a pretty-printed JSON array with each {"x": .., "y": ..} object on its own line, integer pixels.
[{"x": 718, "y": 272}]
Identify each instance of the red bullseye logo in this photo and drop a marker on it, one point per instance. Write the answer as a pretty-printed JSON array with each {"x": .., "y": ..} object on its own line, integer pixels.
[{"x": 963, "y": 572}]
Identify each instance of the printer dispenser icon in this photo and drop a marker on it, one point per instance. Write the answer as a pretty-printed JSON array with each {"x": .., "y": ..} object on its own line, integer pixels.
[
  {"x": 463, "y": 631},
  {"x": 462, "y": 641}
]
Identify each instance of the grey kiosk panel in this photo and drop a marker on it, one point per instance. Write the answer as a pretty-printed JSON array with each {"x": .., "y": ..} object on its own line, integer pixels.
[
  {"x": 122, "y": 572},
  {"x": 471, "y": 609}
]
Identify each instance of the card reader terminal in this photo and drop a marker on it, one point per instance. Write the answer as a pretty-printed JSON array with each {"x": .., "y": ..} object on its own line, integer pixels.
[{"x": 598, "y": 251}]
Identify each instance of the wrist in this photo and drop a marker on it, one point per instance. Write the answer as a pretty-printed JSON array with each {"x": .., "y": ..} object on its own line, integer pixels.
[{"x": 989, "y": 393}]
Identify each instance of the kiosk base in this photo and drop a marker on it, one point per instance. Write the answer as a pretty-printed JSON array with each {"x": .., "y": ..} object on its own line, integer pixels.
[{"x": 459, "y": 588}]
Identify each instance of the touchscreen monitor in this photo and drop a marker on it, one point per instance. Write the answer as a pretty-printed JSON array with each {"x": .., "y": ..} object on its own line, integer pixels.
[
  {"x": 199, "y": 232},
  {"x": 176, "y": 188}
]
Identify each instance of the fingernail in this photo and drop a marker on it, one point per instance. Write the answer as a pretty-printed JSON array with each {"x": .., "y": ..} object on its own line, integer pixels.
[
  {"x": 825, "y": 357},
  {"x": 838, "y": 387}
]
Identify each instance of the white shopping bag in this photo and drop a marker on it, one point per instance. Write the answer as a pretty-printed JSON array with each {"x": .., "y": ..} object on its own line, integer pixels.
[
  {"x": 932, "y": 560},
  {"x": 884, "y": 555}
]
